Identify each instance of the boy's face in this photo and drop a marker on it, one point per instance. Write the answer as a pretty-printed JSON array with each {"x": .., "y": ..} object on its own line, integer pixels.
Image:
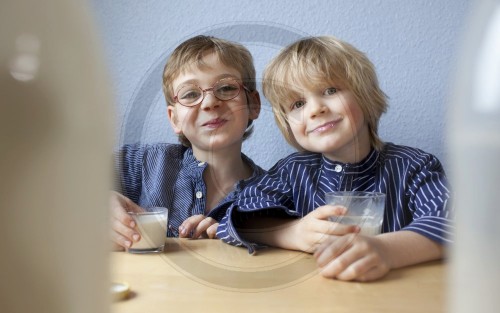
[
  {"x": 328, "y": 120},
  {"x": 213, "y": 124}
]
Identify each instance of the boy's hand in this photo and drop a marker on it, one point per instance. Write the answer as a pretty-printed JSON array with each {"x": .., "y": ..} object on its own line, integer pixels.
[
  {"x": 352, "y": 257},
  {"x": 200, "y": 226},
  {"x": 314, "y": 228},
  {"x": 123, "y": 227}
]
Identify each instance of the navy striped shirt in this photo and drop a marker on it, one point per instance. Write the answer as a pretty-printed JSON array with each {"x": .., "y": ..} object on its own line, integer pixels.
[
  {"x": 168, "y": 175},
  {"x": 417, "y": 190}
]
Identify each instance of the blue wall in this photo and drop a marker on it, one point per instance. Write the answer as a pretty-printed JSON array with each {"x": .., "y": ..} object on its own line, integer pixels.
[{"x": 413, "y": 45}]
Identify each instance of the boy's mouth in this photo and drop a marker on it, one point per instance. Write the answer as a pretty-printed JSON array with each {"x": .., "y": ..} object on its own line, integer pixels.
[
  {"x": 324, "y": 127},
  {"x": 215, "y": 123}
]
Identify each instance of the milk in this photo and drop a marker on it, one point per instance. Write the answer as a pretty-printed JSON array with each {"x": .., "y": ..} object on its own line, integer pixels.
[
  {"x": 365, "y": 209},
  {"x": 153, "y": 229},
  {"x": 370, "y": 226}
]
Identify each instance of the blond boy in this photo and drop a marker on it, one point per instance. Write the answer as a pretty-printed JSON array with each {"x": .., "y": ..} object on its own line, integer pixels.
[{"x": 327, "y": 103}]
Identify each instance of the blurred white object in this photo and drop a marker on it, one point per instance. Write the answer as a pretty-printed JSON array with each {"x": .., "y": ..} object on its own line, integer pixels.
[
  {"x": 55, "y": 155},
  {"x": 475, "y": 151}
]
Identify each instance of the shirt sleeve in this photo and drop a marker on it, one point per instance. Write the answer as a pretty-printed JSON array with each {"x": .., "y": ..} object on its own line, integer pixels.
[
  {"x": 430, "y": 202},
  {"x": 128, "y": 167},
  {"x": 271, "y": 195}
]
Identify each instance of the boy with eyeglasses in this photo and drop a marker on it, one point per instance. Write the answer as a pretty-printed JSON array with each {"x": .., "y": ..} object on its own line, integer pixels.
[
  {"x": 209, "y": 87},
  {"x": 327, "y": 103}
]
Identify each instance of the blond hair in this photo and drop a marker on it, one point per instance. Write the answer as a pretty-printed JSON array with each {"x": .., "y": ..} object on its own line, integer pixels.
[
  {"x": 191, "y": 52},
  {"x": 318, "y": 60}
]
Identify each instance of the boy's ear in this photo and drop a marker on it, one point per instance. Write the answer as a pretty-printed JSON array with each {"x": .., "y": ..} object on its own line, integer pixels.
[
  {"x": 173, "y": 119},
  {"x": 254, "y": 104}
]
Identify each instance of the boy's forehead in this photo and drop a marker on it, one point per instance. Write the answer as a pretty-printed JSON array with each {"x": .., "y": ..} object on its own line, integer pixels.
[
  {"x": 304, "y": 84},
  {"x": 209, "y": 61},
  {"x": 304, "y": 74},
  {"x": 205, "y": 70}
]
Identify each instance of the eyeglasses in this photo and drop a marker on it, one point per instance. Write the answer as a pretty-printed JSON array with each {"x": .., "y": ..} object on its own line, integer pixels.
[{"x": 224, "y": 90}]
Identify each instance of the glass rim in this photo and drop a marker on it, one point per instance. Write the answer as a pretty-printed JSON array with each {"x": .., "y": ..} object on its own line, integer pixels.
[{"x": 154, "y": 212}]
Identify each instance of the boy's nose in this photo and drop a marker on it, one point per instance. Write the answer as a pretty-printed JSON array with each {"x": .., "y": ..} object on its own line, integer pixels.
[
  {"x": 209, "y": 101},
  {"x": 315, "y": 107}
]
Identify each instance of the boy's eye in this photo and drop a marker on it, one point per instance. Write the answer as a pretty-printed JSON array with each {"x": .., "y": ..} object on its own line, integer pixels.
[
  {"x": 298, "y": 104},
  {"x": 330, "y": 91},
  {"x": 227, "y": 89},
  {"x": 191, "y": 94}
]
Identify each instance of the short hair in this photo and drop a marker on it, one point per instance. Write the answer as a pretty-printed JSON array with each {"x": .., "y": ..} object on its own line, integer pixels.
[
  {"x": 319, "y": 60},
  {"x": 191, "y": 52}
]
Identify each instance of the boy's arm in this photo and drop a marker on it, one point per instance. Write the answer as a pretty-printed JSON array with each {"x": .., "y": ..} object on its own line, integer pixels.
[
  {"x": 257, "y": 199},
  {"x": 128, "y": 170},
  {"x": 429, "y": 202},
  {"x": 365, "y": 258},
  {"x": 128, "y": 174},
  {"x": 404, "y": 248},
  {"x": 265, "y": 213},
  {"x": 303, "y": 234}
]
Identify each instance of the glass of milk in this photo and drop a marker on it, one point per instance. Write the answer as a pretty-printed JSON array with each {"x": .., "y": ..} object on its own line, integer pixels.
[
  {"x": 152, "y": 225},
  {"x": 365, "y": 209}
]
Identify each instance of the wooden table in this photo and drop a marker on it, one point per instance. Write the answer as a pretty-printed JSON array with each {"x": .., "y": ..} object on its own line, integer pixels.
[{"x": 210, "y": 276}]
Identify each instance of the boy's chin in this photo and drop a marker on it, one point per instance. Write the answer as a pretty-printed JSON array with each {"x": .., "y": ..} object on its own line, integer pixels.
[{"x": 217, "y": 143}]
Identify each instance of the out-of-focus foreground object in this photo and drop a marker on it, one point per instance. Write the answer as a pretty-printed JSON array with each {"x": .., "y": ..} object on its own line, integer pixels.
[
  {"x": 475, "y": 150},
  {"x": 55, "y": 159}
]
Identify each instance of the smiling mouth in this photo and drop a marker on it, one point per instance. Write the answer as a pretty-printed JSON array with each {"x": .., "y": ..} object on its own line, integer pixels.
[
  {"x": 324, "y": 127},
  {"x": 215, "y": 123}
]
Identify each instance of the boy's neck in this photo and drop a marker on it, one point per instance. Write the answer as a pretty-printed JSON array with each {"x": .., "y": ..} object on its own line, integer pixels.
[
  {"x": 356, "y": 155},
  {"x": 226, "y": 164},
  {"x": 225, "y": 168},
  {"x": 353, "y": 153}
]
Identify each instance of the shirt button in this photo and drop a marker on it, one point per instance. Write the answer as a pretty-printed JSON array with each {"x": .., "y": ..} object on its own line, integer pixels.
[
  {"x": 201, "y": 163},
  {"x": 199, "y": 194},
  {"x": 338, "y": 168}
]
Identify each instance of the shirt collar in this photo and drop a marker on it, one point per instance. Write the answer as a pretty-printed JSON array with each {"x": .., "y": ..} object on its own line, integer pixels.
[
  {"x": 365, "y": 165},
  {"x": 190, "y": 162},
  {"x": 194, "y": 166}
]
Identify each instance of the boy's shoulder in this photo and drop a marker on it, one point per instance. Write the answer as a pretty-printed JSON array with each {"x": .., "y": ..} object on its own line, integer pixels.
[
  {"x": 306, "y": 159},
  {"x": 256, "y": 169},
  {"x": 392, "y": 151}
]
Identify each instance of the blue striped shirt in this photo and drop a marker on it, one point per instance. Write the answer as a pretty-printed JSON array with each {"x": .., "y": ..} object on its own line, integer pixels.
[
  {"x": 168, "y": 175},
  {"x": 415, "y": 184}
]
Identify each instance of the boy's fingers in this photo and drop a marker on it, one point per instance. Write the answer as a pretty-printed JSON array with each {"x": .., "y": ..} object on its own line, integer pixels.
[
  {"x": 333, "y": 228},
  {"x": 130, "y": 234},
  {"x": 120, "y": 214},
  {"x": 120, "y": 240},
  {"x": 189, "y": 224},
  {"x": 117, "y": 247},
  {"x": 315, "y": 243},
  {"x": 129, "y": 205},
  {"x": 202, "y": 226},
  {"x": 132, "y": 207},
  {"x": 212, "y": 231},
  {"x": 356, "y": 268},
  {"x": 332, "y": 250},
  {"x": 120, "y": 205},
  {"x": 326, "y": 211},
  {"x": 372, "y": 274},
  {"x": 322, "y": 248}
]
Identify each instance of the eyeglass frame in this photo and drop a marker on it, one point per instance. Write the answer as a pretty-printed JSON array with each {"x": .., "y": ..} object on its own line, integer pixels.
[{"x": 176, "y": 97}]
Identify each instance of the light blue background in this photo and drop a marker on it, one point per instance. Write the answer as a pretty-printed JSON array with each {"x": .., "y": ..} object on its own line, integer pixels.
[{"x": 413, "y": 45}]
